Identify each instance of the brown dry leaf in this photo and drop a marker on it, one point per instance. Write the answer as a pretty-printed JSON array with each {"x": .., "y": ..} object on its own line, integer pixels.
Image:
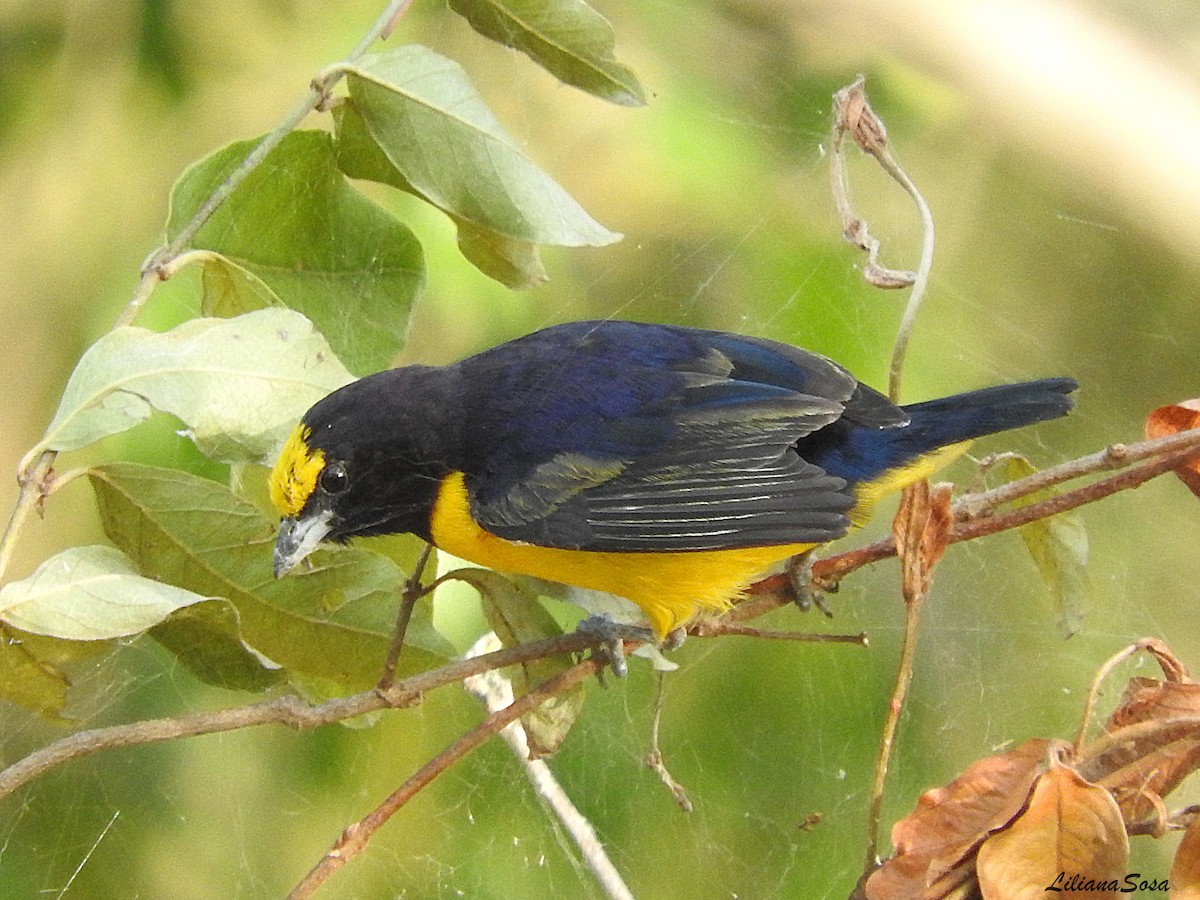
[
  {"x": 1143, "y": 768},
  {"x": 1140, "y": 785},
  {"x": 1173, "y": 419},
  {"x": 1071, "y": 836},
  {"x": 855, "y": 117},
  {"x": 1185, "y": 870},
  {"x": 921, "y": 530},
  {"x": 1148, "y": 698},
  {"x": 934, "y": 844}
]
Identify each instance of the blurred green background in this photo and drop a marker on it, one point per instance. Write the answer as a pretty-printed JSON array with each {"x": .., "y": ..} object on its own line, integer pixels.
[{"x": 1056, "y": 143}]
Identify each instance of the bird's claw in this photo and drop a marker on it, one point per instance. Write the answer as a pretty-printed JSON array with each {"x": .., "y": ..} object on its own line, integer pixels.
[
  {"x": 807, "y": 591},
  {"x": 611, "y": 636}
]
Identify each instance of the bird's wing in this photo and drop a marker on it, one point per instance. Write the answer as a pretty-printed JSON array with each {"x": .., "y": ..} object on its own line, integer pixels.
[{"x": 706, "y": 449}]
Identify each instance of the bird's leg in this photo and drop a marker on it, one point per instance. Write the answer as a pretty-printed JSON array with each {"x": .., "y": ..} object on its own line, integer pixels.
[
  {"x": 612, "y": 636},
  {"x": 806, "y": 590}
]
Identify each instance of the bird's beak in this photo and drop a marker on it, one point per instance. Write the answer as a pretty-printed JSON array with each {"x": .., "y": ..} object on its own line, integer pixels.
[{"x": 299, "y": 537}]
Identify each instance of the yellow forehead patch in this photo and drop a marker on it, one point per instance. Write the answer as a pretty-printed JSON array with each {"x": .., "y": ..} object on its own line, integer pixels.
[{"x": 295, "y": 474}]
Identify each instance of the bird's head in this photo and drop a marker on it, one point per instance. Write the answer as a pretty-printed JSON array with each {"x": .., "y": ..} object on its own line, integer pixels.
[{"x": 366, "y": 460}]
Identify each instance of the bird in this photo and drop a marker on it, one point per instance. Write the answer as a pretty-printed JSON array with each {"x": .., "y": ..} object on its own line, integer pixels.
[{"x": 668, "y": 465}]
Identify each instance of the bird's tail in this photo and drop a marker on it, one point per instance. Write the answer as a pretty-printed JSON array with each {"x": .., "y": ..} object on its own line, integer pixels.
[
  {"x": 878, "y": 461},
  {"x": 963, "y": 417}
]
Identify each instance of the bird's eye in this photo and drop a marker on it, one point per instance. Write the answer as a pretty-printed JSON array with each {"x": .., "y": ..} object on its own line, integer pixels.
[{"x": 334, "y": 479}]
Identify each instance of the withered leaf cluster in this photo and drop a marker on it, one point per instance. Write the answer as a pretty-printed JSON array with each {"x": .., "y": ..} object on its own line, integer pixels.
[{"x": 1048, "y": 815}]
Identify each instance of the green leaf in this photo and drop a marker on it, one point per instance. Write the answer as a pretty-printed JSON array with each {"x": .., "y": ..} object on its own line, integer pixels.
[
  {"x": 566, "y": 37},
  {"x": 301, "y": 230},
  {"x": 425, "y": 115},
  {"x": 207, "y": 639},
  {"x": 29, "y": 680},
  {"x": 331, "y": 622},
  {"x": 230, "y": 289},
  {"x": 513, "y": 262},
  {"x": 516, "y": 616},
  {"x": 1059, "y": 547},
  {"x": 89, "y": 594},
  {"x": 238, "y": 384}
]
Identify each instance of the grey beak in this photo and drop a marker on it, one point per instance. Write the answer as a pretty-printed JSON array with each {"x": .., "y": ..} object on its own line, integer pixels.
[{"x": 297, "y": 538}]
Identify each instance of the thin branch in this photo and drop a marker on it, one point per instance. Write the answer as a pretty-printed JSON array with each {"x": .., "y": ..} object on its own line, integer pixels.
[
  {"x": 356, "y": 836},
  {"x": 974, "y": 517},
  {"x": 1089, "y": 707},
  {"x": 33, "y": 489},
  {"x": 1167, "y": 661},
  {"x": 922, "y": 533},
  {"x": 496, "y": 693},
  {"x": 853, "y": 116},
  {"x": 413, "y": 591},
  {"x": 1097, "y": 490},
  {"x": 726, "y": 625},
  {"x": 849, "y": 106},
  {"x": 891, "y": 725},
  {"x": 286, "y": 710},
  {"x": 1128, "y": 735},
  {"x": 1115, "y": 456},
  {"x": 654, "y": 758}
]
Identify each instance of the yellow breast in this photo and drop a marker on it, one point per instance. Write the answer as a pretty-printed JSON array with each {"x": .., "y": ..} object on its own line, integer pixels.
[{"x": 670, "y": 587}]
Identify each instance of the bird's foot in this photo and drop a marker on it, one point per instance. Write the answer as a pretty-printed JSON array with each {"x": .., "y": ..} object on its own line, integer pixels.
[
  {"x": 807, "y": 590},
  {"x": 612, "y": 636}
]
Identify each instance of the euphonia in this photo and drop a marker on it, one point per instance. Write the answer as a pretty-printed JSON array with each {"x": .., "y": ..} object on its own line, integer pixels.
[{"x": 670, "y": 466}]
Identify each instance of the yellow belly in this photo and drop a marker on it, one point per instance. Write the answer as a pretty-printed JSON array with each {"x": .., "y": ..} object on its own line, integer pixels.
[
  {"x": 673, "y": 587},
  {"x": 670, "y": 587}
]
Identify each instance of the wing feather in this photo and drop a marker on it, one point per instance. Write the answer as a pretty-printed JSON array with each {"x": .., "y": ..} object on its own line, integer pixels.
[{"x": 714, "y": 463}]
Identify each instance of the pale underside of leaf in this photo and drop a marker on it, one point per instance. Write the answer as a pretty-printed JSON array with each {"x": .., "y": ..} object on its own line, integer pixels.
[
  {"x": 89, "y": 594},
  {"x": 239, "y": 385}
]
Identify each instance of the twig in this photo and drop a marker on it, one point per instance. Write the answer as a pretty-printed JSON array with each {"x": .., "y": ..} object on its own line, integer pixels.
[
  {"x": 496, "y": 693},
  {"x": 849, "y": 106},
  {"x": 922, "y": 533},
  {"x": 1130, "y": 734},
  {"x": 1174, "y": 822},
  {"x": 1115, "y": 456},
  {"x": 654, "y": 757},
  {"x": 286, "y": 710},
  {"x": 974, "y": 518},
  {"x": 413, "y": 591},
  {"x": 33, "y": 488},
  {"x": 726, "y": 625},
  {"x": 356, "y": 836},
  {"x": 891, "y": 724},
  {"x": 1161, "y": 652},
  {"x": 1097, "y": 490},
  {"x": 853, "y": 115}
]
